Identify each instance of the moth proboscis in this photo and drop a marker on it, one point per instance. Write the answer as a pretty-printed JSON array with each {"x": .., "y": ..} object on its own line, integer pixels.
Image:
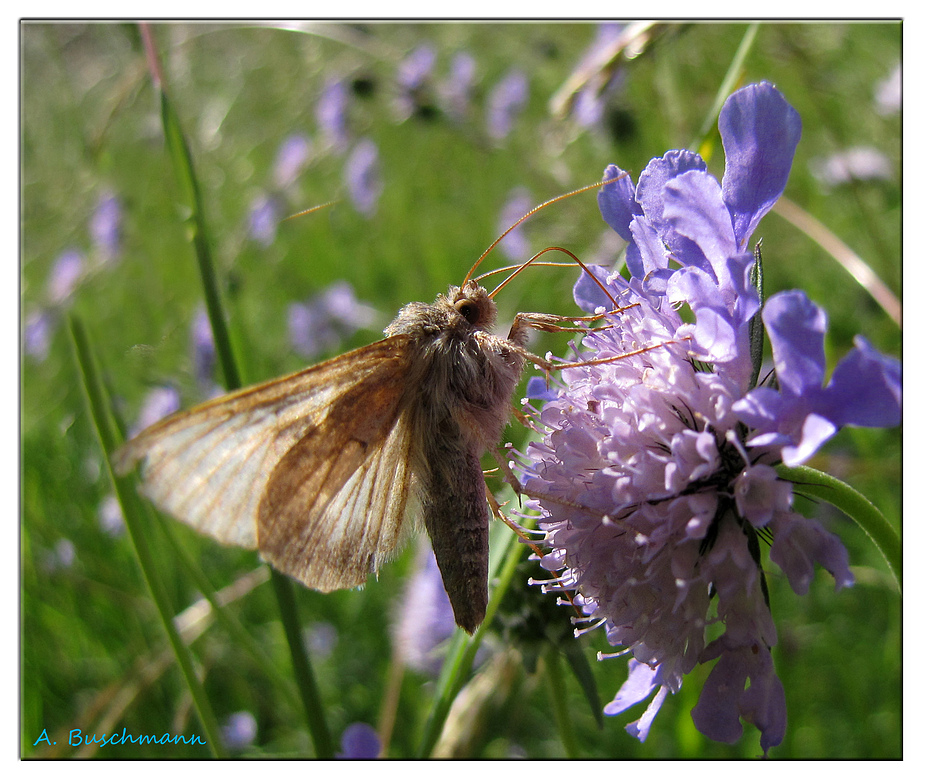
[{"x": 324, "y": 470}]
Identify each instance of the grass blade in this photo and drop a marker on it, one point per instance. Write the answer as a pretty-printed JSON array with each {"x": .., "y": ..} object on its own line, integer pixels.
[{"x": 98, "y": 406}]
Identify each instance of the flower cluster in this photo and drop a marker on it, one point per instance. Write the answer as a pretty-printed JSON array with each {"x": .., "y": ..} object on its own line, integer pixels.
[{"x": 656, "y": 473}]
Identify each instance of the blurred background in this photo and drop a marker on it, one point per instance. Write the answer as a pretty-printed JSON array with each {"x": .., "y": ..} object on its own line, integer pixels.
[{"x": 433, "y": 139}]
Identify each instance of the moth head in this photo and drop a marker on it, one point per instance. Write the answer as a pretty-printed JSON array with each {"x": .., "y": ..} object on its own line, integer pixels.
[{"x": 473, "y": 303}]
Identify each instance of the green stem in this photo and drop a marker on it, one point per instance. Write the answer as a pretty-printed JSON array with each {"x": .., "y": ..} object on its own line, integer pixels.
[
  {"x": 302, "y": 668},
  {"x": 99, "y": 404},
  {"x": 853, "y": 504}
]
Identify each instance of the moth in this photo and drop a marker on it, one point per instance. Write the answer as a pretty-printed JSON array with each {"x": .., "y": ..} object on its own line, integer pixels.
[{"x": 325, "y": 471}]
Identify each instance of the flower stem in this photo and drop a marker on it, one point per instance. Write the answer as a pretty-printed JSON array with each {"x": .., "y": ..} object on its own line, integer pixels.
[{"x": 853, "y": 504}]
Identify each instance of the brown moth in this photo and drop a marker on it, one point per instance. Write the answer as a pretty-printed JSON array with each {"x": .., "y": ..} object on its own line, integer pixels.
[{"x": 324, "y": 471}]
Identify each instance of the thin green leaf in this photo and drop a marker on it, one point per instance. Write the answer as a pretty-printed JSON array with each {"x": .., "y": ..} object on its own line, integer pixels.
[
  {"x": 578, "y": 660},
  {"x": 730, "y": 81},
  {"x": 98, "y": 405},
  {"x": 559, "y": 700}
]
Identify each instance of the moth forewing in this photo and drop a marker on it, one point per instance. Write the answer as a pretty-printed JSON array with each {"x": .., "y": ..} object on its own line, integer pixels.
[{"x": 211, "y": 466}]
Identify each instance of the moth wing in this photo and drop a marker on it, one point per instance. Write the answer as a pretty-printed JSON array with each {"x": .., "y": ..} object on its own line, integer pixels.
[
  {"x": 210, "y": 466},
  {"x": 334, "y": 507}
]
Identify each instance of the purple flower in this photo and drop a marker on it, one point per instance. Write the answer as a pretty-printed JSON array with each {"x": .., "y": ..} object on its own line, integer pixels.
[
  {"x": 655, "y": 475},
  {"x": 859, "y": 163},
  {"x": 515, "y": 245},
  {"x": 457, "y": 88},
  {"x": 109, "y": 514},
  {"x": 359, "y": 741},
  {"x": 331, "y": 114},
  {"x": 321, "y": 324},
  {"x": 65, "y": 274},
  {"x": 506, "y": 100},
  {"x": 239, "y": 730},
  {"x": 414, "y": 73},
  {"x": 157, "y": 404},
  {"x": 202, "y": 346},
  {"x": 36, "y": 334},
  {"x": 105, "y": 227},
  {"x": 364, "y": 181},
  {"x": 263, "y": 220},
  {"x": 591, "y": 100},
  {"x": 291, "y": 158},
  {"x": 889, "y": 93},
  {"x": 425, "y": 618},
  {"x": 865, "y": 388}
]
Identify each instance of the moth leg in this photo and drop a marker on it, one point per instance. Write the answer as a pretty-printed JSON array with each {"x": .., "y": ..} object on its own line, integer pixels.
[
  {"x": 512, "y": 525},
  {"x": 537, "y": 321}
]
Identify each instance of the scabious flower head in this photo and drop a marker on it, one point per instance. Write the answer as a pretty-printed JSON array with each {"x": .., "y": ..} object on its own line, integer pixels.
[{"x": 656, "y": 473}]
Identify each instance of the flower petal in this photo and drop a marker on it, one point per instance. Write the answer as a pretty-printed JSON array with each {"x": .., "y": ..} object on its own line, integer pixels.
[
  {"x": 760, "y": 132},
  {"x": 865, "y": 389},
  {"x": 796, "y": 328},
  {"x": 617, "y": 201}
]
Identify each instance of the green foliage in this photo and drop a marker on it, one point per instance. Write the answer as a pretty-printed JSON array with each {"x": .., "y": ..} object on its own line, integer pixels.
[{"x": 94, "y": 652}]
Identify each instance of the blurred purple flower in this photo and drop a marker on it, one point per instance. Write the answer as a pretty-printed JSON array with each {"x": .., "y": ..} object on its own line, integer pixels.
[
  {"x": 321, "y": 324},
  {"x": 591, "y": 100},
  {"x": 359, "y": 741},
  {"x": 106, "y": 227},
  {"x": 425, "y": 617},
  {"x": 202, "y": 347},
  {"x": 515, "y": 245},
  {"x": 36, "y": 334},
  {"x": 456, "y": 89},
  {"x": 505, "y": 102},
  {"x": 263, "y": 219},
  {"x": 239, "y": 730},
  {"x": 64, "y": 276},
  {"x": 364, "y": 180},
  {"x": 158, "y": 403},
  {"x": 667, "y": 463},
  {"x": 320, "y": 638},
  {"x": 109, "y": 515},
  {"x": 859, "y": 163},
  {"x": 331, "y": 114},
  {"x": 291, "y": 159},
  {"x": 61, "y": 557},
  {"x": 889, "y": 93}
]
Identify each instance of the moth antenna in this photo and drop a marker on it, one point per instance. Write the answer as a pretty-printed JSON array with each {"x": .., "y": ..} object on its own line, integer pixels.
[
  {"x": 573, "y": 256},
  {"x": 309, "y": 211},
  {"x": 533, "y": 211},
  {"x": 516, "y": 266}
]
